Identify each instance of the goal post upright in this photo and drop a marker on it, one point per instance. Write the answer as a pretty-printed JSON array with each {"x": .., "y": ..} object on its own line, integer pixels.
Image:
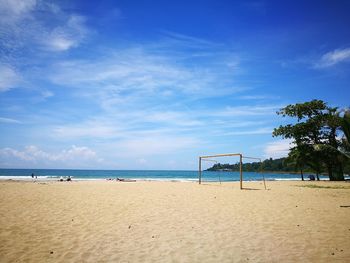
[
  {"x": 240, "y": 172},
  {"x": 200, "y": 170}
]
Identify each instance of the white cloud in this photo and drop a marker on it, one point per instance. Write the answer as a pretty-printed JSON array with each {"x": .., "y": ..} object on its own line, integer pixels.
[
  {"x": 68, "y": 35},
  {"x": 333, "y": 57},
  {"x": 30, "y": 24},
  {"x": 9, "y": 120},
  {"x": 8, "y": 78},
  {"x": 31, "y": 155},
  {"x": 47, "y": 94},
  {"x": 14, "y": 9},
  {"x": 277, "y": 149}
]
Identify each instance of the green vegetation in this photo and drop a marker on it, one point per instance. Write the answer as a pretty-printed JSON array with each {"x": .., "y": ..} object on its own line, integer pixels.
[
  {"x": 277, "y": 165},
  {"x": 281, "y": 165},
  {"x": 320, "y": 137}
]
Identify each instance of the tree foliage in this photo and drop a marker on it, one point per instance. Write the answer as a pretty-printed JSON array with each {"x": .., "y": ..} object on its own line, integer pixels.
[{"x": 316, "y": 133}]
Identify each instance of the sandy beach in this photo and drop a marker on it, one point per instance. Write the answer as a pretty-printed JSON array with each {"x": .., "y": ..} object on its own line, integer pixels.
[{"x": 108, "y": 221}]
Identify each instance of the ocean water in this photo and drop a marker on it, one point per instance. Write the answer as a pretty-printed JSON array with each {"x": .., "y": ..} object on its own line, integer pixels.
[{"x": 142, "y": 175}]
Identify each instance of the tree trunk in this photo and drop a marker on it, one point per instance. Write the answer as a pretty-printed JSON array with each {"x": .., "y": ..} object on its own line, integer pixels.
[
  {"x": 338, "y": 173},
  {"x": 335, "y": 172},
  {"x": 302, "y": 175}
]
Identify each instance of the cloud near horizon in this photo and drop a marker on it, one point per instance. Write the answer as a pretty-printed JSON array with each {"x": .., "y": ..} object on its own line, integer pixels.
[{"x": 33, "y": 155}]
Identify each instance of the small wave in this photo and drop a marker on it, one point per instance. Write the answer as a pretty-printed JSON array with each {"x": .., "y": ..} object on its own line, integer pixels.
[
  {"x": 283, "y": 179},
  {"x": 23, "y": 178},
  {"x": 169, "y": 179}
]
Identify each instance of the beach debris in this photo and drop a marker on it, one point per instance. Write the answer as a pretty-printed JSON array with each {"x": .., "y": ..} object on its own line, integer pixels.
[
  {"x": 51, "y": 252},
  {"x": 344, "y": 205},
  {"x": 129, "y": 226},
  {"x": 332, "y": 254},
  {"x": 152, "y": 236}
]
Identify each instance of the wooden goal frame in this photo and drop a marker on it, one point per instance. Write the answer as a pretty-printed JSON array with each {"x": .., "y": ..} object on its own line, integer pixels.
[{"x": 241, "y": 157}]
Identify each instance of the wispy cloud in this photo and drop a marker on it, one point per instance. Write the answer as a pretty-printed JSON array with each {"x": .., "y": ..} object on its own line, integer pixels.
[
  {"x": 258, "y": 97},
  {"x": 9, "y": 78},
  {"x": 29, "y": 31},
  {"x": 15, "y": 9},
  {"x": 38, "y": 24},
  {"x": 141, "y": 70},
  {"x": 9, "y": 120},
  {"x": 66, "y": 36},
  {"x": 155, "y": 145},
  {"x": 255, "y": 110},
  {"x": 332, "y": 58},
  {"x": 252, "y": 131},
  {"x": 181, "y": 40}
]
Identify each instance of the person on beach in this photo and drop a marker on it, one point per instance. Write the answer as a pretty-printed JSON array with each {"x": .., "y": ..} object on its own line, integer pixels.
[
  {"x": 61, "y": 179},
  {"x": 69, "y": 178},
  {"x": 312, "y": 177},
  {"x": 32, "y": 175}
]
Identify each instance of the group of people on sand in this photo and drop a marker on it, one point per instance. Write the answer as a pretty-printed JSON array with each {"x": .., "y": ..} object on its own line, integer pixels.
[{"x": 68, "y": 179}]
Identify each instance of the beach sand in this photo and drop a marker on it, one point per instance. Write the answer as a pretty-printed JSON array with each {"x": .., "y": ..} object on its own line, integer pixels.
[{"x": 108, "y": 221}]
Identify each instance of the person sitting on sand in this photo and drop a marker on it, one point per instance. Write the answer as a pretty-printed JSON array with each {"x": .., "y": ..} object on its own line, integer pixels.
[
  {"x": 69, "y": 179},
  {"x": 61, "y": 179}
]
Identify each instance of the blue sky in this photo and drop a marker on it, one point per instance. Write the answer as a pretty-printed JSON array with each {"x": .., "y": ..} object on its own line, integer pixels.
[{"x": 155, "y": 84}]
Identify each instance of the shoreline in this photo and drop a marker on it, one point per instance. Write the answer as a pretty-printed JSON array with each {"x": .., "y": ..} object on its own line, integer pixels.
[{"x": 190, "y": 180}]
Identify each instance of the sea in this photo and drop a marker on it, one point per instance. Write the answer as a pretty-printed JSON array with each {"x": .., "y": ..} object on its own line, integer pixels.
[{"x": 143, "y": 175}]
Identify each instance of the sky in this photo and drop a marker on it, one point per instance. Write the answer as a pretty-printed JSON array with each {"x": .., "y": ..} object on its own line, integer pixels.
[{"x": 155, "y": 84}]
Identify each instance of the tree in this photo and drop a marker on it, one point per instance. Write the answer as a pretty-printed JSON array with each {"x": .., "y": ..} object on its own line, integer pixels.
[
  {"x": 297, "y": 158},
  {"x": 315, "y": 134},
  {"x": 345, "y": 123}
]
